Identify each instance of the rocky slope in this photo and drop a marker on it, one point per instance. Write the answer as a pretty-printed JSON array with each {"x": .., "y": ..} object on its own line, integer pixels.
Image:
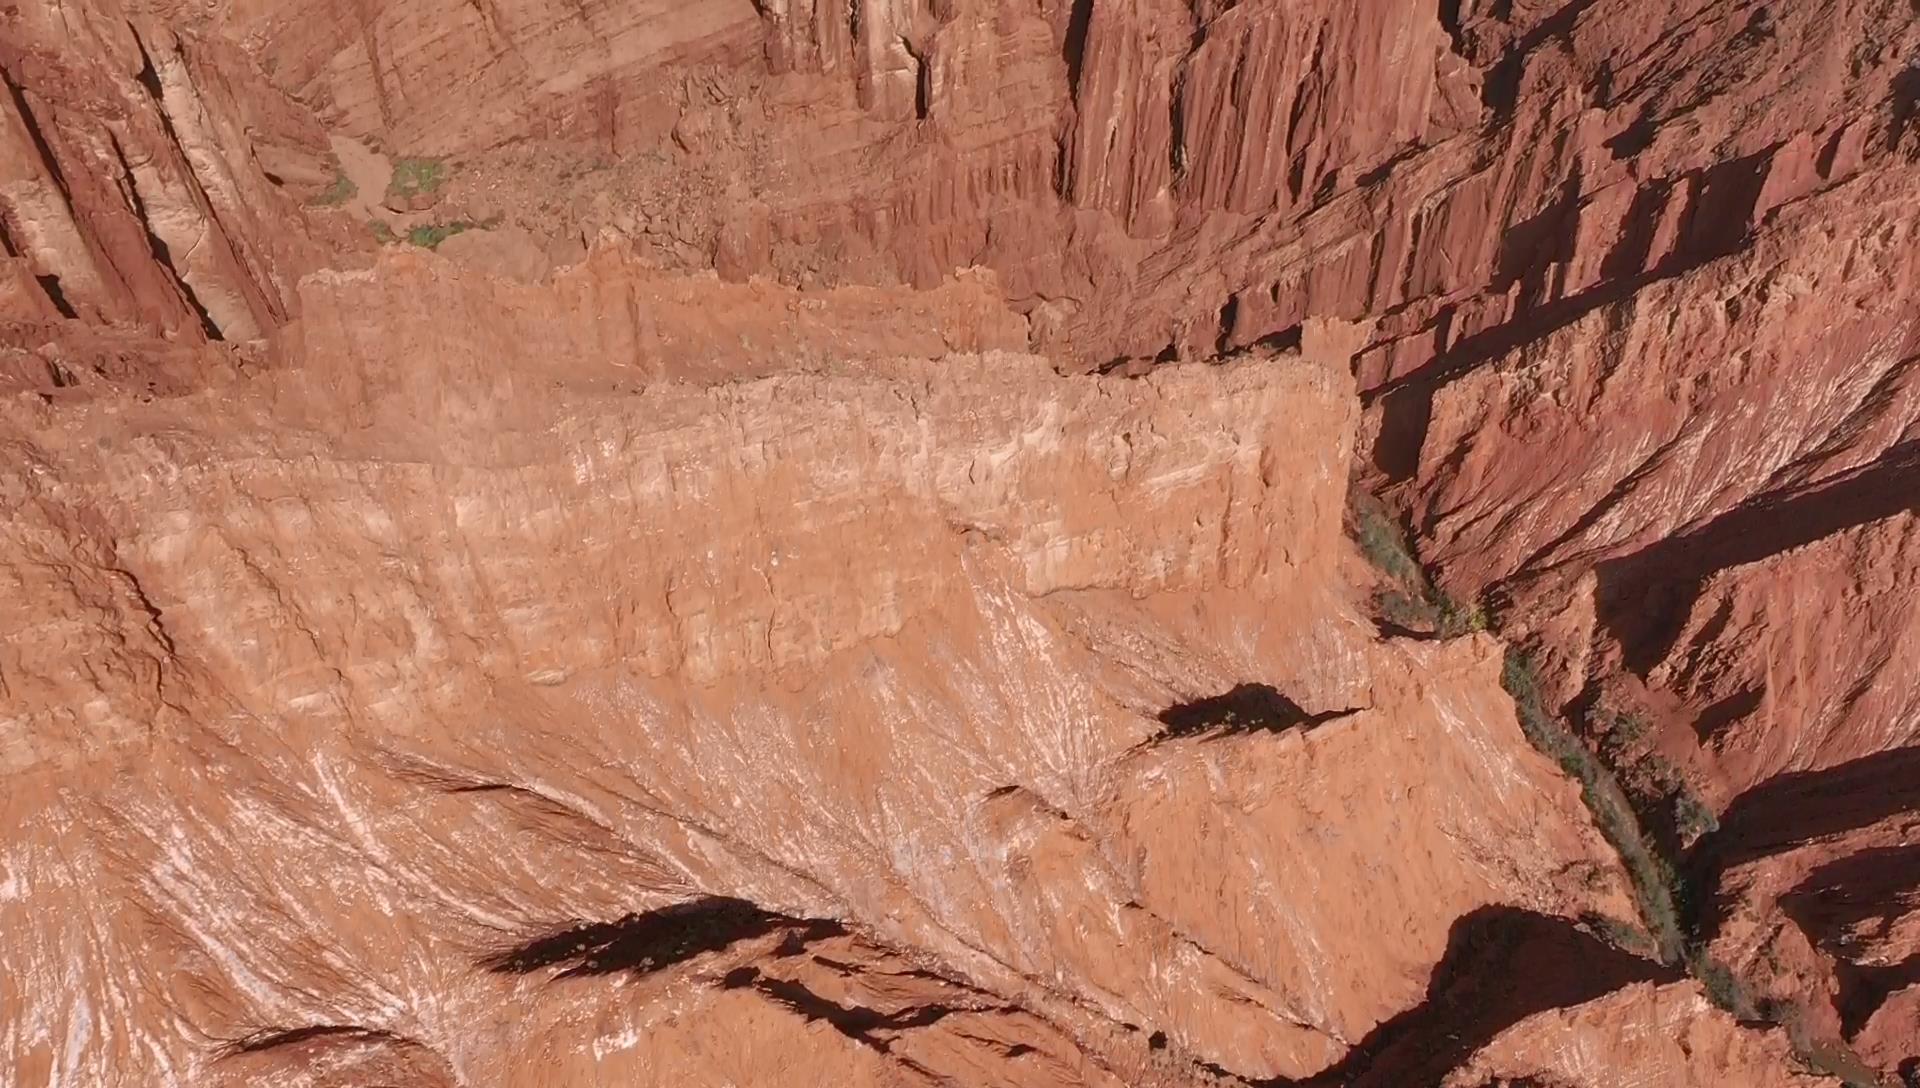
[{"x": 839, "y": 567}]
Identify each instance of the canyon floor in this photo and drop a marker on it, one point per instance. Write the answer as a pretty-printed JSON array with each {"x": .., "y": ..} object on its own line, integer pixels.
[{"x": 960, "y": 543}]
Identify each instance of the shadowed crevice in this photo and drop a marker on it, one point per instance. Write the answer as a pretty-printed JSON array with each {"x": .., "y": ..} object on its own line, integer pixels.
[
  {"x": 1229, "y": 317},
  {"x": 157, "y": 247},
  {"x": 867, "y": 1027},
  {"x": 1073, "y": 49},
  {"x": 642, "y": 944},
  {"x": 853, "y": 1021},
  {"x": 274, "y": 1039},
  {"x": 1725, "y": 712},
  {"x": 1845, "y": 896},
  {"x": 1791, "y": 809},
  {"x": 1530, "y": 249},
  {"x": 41, "y": 146},
  {"x": 345, "y": 1054},
  {"x": 1502, "y": 965},
  {"x": 1844, "y": 893},
  {"x": 1644, "y": 598},
  {"x": 1904, "y": 103},
  {"x": 1717, "y": 224},
  {"x": 1245, "y": 708},
  {"x": 1501, "y": 91},
  {"x": 1864, "y": 987},
  {"x": 1455, "y": 27},
  {"x": 57, "y": 295}
]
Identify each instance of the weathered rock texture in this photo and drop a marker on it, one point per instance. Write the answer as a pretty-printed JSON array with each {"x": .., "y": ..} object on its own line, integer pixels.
[
  {"x": 142, "y": 176},
  {"x": 486, "y": 641},
  {"x": 708, "y": 624},
  {"x": 1642, "y": 1034}
]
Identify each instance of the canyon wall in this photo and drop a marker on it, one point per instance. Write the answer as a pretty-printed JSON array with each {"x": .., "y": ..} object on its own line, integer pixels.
[{"x": 956, "y": 660}]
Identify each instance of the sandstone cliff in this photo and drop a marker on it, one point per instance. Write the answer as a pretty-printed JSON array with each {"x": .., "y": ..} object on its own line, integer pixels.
[{"x": 942, "y": 655}]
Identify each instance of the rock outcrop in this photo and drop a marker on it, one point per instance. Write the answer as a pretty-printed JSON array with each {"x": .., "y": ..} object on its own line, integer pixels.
[
  {"x": 1641, "y": 1034},
  {"x": 493, "y": 640},
  {"x": 149, "y": 176}
]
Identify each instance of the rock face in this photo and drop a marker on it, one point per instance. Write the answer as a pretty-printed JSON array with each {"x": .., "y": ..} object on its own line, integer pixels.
[
  {"x": 145, "y": 174},
  {"x": 1641, "y": 1034},
  {"x": 949, "y": 657},
  {"x": 710, "y": 623}
]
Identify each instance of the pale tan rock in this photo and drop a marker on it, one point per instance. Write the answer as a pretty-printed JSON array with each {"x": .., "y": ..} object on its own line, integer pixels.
[
  {"x": 486, "y": 634},
  {"x": 1643, "y": 1034}
]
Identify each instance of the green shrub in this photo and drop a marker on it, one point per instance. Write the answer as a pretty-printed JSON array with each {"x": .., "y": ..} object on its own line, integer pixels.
[
  {"x": 1655, "y": 885},
  {"x": 1624, "y": 935},
  {"x": 1651, "y": 781},
  {"x": 1724, "y": 988},
  {"x": 1456, "y": 619},
  {"x": 1385, "y": 546},
  {"x": 1731, "y": 993},
  {"x": 1413, "y": 602},
  {"x": 1621, "y": 729},
  {"x": 382, "y": 233},
  {"x": 1659, "y": 892},
  {"x": 430, "y": 235},
  {"x": 1691, "y": 816},
  {"x": 1661, "y": 793},
  {"x": 1401, "y": 608},
  {"x": 339, "y": 192},
  {"x": 413, "y": 176},
  {"x": 1662, "y": 774}
]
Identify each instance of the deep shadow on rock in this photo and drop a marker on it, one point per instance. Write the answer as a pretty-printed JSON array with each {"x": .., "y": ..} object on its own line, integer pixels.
[
  {"x": 1244, "y": 708},
  {"x": 654, "y": 940},
  {"x": 1791, "y": 809},
  {"x": 1502, "y": 965}
]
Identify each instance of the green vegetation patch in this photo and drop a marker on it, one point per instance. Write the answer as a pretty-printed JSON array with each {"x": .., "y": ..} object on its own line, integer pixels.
[
  {"x": 1623, "y": 935},
  {"x": 341, "y": 190},
  {"x": 1655, "y": 884},
  {"x": 430, "y": 235},
  {"x": 1625, "y": 788},
  {"x": 1382, "y": 542},
  {"x": 1661, "y": 794},
  {"x": 1691, "y": 816},
  {"x": 1412, "y": 601},
  {"x": 414, "y": 176}
]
